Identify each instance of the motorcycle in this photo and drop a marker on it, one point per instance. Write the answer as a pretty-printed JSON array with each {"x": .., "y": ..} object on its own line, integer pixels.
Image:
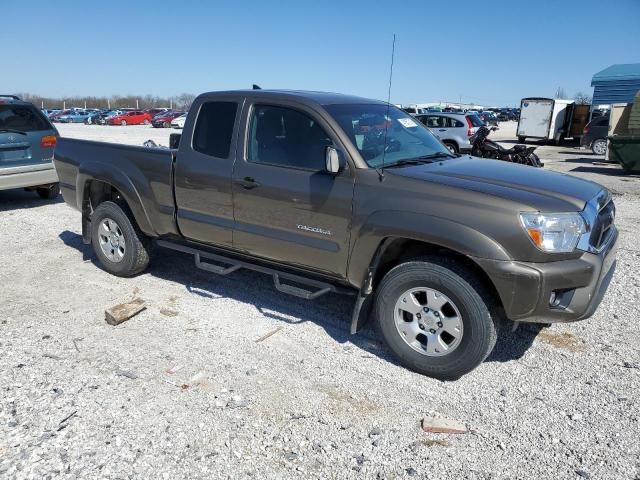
[{"x": 482, "y": 147}]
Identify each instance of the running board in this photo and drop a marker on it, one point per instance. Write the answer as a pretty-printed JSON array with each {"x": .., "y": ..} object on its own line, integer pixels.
[{"x": 232, "y": 264}]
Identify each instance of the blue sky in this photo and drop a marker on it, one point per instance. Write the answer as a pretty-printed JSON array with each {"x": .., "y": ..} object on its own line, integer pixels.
[{"x": 491, "y": 52}]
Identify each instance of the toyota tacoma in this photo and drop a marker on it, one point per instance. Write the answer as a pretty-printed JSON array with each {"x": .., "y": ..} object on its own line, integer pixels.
[{"x": 334, "y": 193}]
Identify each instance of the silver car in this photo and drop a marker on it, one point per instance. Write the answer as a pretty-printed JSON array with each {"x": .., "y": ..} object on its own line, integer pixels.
[{"x": 453, "y": 129}]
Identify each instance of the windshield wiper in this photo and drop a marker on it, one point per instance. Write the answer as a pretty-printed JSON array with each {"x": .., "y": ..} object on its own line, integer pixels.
[
  {"x": 11, "y": 130},
  {"x": 420, "y": 160}
]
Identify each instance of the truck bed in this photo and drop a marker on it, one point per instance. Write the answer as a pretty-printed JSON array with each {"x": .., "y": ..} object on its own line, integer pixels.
[{"x": 142, "y": 175}]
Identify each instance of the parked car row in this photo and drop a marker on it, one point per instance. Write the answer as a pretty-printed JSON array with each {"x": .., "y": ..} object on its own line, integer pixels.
[
  {"x": 490, "y": 115},
  {"x": 158, "y": 117}
]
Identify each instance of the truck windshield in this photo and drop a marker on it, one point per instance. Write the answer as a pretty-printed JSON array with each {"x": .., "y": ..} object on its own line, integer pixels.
[{"x": 367, "y": 126}]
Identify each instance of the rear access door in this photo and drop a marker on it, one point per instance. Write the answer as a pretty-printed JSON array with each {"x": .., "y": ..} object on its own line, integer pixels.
[
  {"x": 203, "y": 171},
  {"x": 287, "y": 207},
  {"x": 535, "y": 117}
]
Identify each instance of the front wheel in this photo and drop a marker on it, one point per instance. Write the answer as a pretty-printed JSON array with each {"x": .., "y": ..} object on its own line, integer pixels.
[
  {"x": 122, "y": 249},
  {"x": 534, "y": 160},
  {"x": 146, "y": 122},
  {"x": 434, "y": 316},
  {"x": 123, "y": 123}
]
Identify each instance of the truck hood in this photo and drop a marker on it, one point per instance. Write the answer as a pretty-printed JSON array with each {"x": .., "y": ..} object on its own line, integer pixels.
[{"x": 535, "y": 187}]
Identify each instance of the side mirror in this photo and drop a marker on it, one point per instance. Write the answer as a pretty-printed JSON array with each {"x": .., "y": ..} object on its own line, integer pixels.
[{"x": 332, "y": 161}]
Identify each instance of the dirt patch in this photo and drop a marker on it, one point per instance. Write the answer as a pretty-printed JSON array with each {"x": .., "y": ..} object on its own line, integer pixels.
[{"x": 563, "y": 340}]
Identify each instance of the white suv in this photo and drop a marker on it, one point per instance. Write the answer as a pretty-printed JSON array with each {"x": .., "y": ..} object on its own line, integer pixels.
[{"x": 453, "y": 129}]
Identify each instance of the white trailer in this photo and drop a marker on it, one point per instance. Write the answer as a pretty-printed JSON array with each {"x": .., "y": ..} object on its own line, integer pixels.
[{"x": 544, "y": 118}]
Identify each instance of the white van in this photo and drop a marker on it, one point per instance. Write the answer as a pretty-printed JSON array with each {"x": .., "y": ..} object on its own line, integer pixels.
[{"x": 544, "y": 118}]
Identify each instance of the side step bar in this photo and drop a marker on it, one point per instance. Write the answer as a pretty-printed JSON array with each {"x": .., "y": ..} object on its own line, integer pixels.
[{"x": 319, "y": 288}]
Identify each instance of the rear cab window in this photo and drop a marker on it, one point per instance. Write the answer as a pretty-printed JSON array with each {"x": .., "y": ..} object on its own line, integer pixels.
[{"x": 213, "y": 132}]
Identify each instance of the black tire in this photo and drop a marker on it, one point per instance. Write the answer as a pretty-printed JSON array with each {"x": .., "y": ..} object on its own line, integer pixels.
[
  {"x": 465, "y": 290},
  {"x": 452, "y": 146},
  {"x": 47, "y": 193},
  {"x": 137, "y": 245}
]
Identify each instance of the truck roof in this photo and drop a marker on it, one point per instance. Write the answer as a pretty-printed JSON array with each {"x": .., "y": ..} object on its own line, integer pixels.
[{"x": 321, "y": 98}]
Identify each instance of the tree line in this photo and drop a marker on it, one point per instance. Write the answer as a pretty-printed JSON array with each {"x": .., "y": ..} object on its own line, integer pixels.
[{"x": 180, "y": 102}]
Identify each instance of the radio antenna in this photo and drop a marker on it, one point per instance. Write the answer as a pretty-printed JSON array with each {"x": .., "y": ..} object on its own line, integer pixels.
[{"x": 386, "y": 127}]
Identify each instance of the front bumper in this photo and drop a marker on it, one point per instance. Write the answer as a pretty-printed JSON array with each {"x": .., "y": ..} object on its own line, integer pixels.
[{"x": 525, "y": 288}]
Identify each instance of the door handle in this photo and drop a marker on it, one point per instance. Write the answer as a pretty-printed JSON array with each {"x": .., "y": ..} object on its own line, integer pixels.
[
  {"x": 442, "y": 130},
  {"x": 248, "y": 183}
]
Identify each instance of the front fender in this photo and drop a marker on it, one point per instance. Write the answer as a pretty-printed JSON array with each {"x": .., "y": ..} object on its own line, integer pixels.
[
  {"x": 111, "y": 175},
  {"x": 421, "y": 227}
]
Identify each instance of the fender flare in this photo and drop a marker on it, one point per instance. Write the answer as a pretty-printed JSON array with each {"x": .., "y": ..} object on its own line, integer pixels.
[
  {"x": 92, "y": 170},
  {"x": 421, "y": 227}
]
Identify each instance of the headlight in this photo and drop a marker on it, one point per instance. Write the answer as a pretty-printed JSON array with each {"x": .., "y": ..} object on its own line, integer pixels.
[{"x": 554, "y": 232}]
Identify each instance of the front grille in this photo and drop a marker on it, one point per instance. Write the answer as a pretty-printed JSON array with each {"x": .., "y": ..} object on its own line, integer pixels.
[{"x": 603, "y": 226}]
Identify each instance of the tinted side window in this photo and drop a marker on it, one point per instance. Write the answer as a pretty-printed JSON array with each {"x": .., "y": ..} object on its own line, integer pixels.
[
  {"x": 283, "y": 136},
  {"x": 454, "y": 123},
  {"x": 214, "y": 128}
]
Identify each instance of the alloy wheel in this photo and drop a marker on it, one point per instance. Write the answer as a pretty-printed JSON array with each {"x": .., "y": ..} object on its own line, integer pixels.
[
  {"x": 428, "y": 321},
  {"x": 112, "y": 241}
]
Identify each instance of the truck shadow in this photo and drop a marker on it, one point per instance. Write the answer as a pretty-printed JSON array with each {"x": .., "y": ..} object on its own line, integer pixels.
[
  {"x": 331, "y": 312},
  {"x": 21, "y": 199}
]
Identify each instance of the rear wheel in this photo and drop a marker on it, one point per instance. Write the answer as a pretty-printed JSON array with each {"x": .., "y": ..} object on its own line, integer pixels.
[
  {"x": 146, "y": 121},
  {"x": 122, "y": 248},
  {"x": 47, "y": 193},
  {"x": 435, "y": 318},
  {"x": 453, "y": 148},
  {"x": 123, "y": 123},
  {"x": 599, "y": 146}
]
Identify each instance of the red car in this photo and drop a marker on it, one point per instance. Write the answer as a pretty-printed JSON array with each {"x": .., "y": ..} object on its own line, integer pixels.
[
  {"x": 164, "y": 119},
  {"x": 135, "y": 117}
]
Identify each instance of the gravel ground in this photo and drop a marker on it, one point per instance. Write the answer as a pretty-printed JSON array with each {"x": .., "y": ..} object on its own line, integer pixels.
[{"x": 190, "y": 389}]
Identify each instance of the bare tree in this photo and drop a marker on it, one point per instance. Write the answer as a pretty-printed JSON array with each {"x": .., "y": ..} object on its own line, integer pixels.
[
  {"x": 582, "y": 98},
  {"x": 115, "y": 101},
  {"x": 561, "y": 93},
  {"x": 183, "y": 101}
]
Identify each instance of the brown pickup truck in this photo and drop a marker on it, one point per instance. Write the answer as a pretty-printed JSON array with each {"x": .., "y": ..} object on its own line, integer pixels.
[{"x": 333, "y": 193}]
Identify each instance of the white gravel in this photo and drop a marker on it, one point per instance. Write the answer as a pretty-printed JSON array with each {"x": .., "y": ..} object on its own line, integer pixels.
[{"x": 183, "y": 390}]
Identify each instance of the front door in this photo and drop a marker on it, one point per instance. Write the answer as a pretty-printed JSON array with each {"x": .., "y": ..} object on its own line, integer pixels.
[{"x": 287, "y": 207}]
